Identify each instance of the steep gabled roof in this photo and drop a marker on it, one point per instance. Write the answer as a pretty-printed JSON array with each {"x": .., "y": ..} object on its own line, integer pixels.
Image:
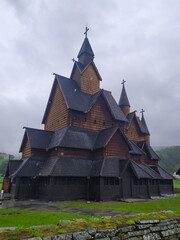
[
  {"x": 150, "y": 152},
  {"x": 116, "y": 168},
  {"x": 143, "y": 125},
  {"x": 65, "y": 166},
  {"x": 104, "y": 137},
  {"x": 13, "y": 165},
  {"x": 73, "y": 137},
  {"x": 123, "y": 101},
  {"x": 80, "y": 101},
  {"x": 163, "y": 173},
  {"x": 130, "y": 117},
  {"x": 143, "y": 171},
  {"x": 135, "y": 149},
  {"x": 37, "y": 138},
  {"x": 29, "y": 167},
  {"x": 81, "y": 67},
  {"x": 113, "y": 107}
]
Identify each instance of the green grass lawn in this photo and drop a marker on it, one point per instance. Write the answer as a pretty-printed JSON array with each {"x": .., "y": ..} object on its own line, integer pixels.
[
  {"x": 1, "y": 180},
  {"x": 22, "y": 218},
  {"x": 176, "y": 183},
  {"x": 30, "y": 218},
  {"x": 147, "y": 207}
]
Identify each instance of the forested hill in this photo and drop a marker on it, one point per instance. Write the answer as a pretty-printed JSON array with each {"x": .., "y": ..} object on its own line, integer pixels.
[{"x": 170, "y": 158}]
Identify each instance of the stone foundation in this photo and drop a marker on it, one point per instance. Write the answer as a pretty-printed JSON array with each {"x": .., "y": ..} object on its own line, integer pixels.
[{"x": 142, "y": 230}]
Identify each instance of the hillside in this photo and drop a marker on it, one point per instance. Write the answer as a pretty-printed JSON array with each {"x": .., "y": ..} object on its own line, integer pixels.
[
  {"x": 170, "y": 158},
  {"x": 3, "y": 166}
]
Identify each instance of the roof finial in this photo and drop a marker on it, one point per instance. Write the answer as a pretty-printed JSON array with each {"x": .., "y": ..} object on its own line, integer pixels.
[
  {"x": 87, "y": 29},
  {"x": 73, "y": 60},
  {"x": 123, "y": 82},
  {"x": 142, "y": 111}
]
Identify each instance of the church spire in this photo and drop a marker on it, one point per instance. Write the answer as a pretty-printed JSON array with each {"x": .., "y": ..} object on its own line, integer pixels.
[
  {"x": 123, "y": 101},
  {"x": 143, "y": 123},
  {"x": 85, "y": 54}
]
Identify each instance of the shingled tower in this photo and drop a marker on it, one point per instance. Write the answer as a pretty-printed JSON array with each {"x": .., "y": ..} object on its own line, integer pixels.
[{"x": 90, "y": 148}]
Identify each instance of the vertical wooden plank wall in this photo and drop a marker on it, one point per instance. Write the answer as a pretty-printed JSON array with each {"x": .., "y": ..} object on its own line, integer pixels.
[{"x": 58, "y": 114}]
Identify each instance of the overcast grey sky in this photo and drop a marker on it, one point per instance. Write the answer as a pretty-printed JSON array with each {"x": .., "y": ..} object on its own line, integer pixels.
[{"x": 135, "y": 40}]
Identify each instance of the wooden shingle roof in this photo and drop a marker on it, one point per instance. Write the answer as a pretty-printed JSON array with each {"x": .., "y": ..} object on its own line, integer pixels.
[{"x": 77, "y": 100}]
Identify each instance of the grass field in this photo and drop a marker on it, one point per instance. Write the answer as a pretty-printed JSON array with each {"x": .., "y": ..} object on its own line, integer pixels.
[
  {"x": 21, "y": 218},
  {"x": 176, "y": 183},
  {"x": 1, "y": 179},
  {"x": 147, "y": 207},
  {"x": 79, "y": 225},
  {"x": 10, "y": 217}
]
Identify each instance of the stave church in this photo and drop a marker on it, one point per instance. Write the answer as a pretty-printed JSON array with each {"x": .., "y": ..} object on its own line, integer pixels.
[{"x": 91, "y": 147}]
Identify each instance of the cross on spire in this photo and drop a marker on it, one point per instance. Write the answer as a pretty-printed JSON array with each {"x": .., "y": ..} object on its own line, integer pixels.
[
  {"x": 87, "y": 29},
  {"x": 123, "y": 82},
  {"x": 142, "y": 111}
]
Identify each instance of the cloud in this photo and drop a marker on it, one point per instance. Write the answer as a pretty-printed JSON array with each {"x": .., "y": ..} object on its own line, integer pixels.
[{"x": 132, "y": 39}]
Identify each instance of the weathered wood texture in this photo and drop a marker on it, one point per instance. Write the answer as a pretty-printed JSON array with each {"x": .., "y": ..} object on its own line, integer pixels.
[
  {"x": 89, "y": 80},
  {"x": 58, "y": 113},
  {"x": 72, "y": 152},
  {"x": 6, "y": 184},
  {"x": 125, "y": 109},
  {"x": 117, "y": 146},
  {"x": 133, "y": 132},
  {"x": 146, "y": 160},
  {"x": 26, "y": 152},
  {"x": 136, "y": 158},
  {"x": 97, "y": 118},
  {"x": 39, "y": 153}
]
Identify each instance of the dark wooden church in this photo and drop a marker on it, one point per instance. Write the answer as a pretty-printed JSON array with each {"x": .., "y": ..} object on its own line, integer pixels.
[{"x": 91, "y": 147}]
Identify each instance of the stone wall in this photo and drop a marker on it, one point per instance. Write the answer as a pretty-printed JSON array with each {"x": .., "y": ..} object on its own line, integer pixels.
[{"x": 145, "y": 230}]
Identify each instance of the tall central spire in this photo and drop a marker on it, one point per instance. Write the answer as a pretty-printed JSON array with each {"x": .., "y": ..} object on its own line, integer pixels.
[{"x": 85, "y": 55}]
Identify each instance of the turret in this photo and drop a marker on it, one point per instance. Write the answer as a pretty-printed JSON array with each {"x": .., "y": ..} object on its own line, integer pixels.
[{"x": 123, "y": 101}]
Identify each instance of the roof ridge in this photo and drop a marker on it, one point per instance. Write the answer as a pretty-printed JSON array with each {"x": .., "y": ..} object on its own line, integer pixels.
[
  {"x": 21, "y": 166},
  {"x": 149, "y": 168},
  {"x": 57, "y": 159},
  {"x": 141, "y": 167},
  {"x": 38, "y": 129},
  {"x": 133, "y": 142},
  {"x": 102, "y": 166}
]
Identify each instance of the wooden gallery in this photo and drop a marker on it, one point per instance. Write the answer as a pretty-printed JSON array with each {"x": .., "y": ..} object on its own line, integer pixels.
[{"x": 91, "y": 147}]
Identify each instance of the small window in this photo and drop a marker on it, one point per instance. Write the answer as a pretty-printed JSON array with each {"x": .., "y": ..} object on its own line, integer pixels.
[
  {"x": 94, "y": 121},
  {"x": 85, "y": 120},
  {"x": 104, "y": 123},
  {"x": 74, "y": 118}
]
